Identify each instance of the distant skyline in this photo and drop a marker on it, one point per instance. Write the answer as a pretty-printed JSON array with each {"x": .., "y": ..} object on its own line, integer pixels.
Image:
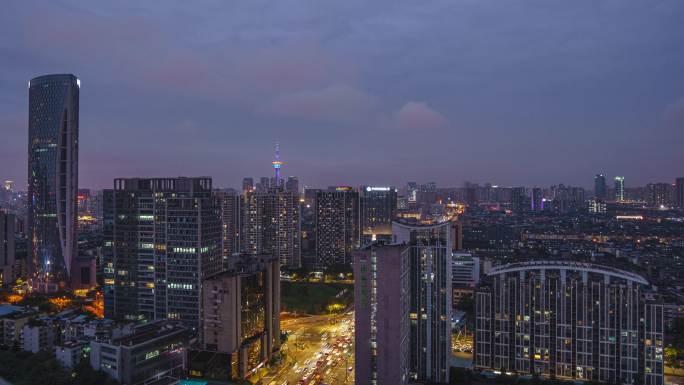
[{"x": 527, "y": 93}]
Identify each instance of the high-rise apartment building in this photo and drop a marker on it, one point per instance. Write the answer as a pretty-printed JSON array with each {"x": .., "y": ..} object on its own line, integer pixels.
[
  {"x": 247, "y": 184},
  {"x": 382, "y": 293},
  {"x": 7, "y": 248},
  {"x": 270, "y": 225},
  {"x": 519, "y": 201},
  {"x": 659, "y": 194},
  {"x": 162, "y": 239},
  {"x": 679, "y": 192},
  {"x": 537, "y": 199},
  {"x": 52, "y": 180},
  {"x": 620, "y": 189},
  {"x": 263, "y": 185},
  {"x": 292, "y": 184},
  {"x": 378, "y": 208},
  {"x": 567, "y": 199},
  {"x": 241, "y": 313},
  {"x": 430, "y": 280},
  {"x": 600, "y": 186},
  {"x": 337, "y": 225},
  {"x": 230, "y": 209},
  {"x": 412, "y": 192},
  {"x": 569, "y": 320}
]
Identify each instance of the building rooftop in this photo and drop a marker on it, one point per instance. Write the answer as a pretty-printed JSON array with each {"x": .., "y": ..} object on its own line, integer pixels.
[
  {"x": 9, "y": 309},
  {"x": 147, "y": 332},
  {"x": 568, "y": 265}
]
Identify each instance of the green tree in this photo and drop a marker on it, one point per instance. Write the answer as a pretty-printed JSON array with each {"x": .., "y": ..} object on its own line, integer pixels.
[{"x": 672, "y": 358}]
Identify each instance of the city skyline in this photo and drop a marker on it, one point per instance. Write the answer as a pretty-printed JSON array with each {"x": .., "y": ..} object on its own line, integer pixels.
[
  {"x": 347, "y": 193},
  {"x": 187, "y": 90}
]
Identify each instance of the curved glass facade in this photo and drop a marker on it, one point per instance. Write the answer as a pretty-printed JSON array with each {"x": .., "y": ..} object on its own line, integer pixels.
[{"x": 52, "y": 179}]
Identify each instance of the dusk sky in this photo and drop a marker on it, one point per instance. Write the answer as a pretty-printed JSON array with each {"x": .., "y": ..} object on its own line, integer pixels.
[{"x": 357, "y": 92}]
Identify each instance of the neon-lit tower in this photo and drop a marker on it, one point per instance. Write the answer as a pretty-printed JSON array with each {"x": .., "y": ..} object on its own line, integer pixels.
[{"x": 277, "y": 164}]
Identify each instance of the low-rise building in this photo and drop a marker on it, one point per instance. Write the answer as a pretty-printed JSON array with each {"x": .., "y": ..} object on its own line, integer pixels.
[
  {"x": 71, "y": 353},
  {"x": 154, "y": 351},
  {"x": 38, "y": 336},
  {"x": 12, "y": 321}
]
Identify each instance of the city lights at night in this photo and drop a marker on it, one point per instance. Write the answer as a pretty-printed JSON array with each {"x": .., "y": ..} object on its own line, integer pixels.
[{"x": 342, "y": 193}]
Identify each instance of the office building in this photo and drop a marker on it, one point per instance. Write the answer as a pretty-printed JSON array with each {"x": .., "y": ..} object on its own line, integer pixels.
[
  {"x": 337, "y": 225},
  {"x": 162, "y": 238},
  {"x": 620, "y": 189},
  {"x": 52, "y": 180},
  {"x": 600, "y": 187},
  {"x": 7, "y": 248},
  {"x": 569, "y": 320},
  {"x": 659, "y": 194},
  {"x": 271, "y": 225},
  {"x": 378, "y": 208},
  {"x": 241, "y": 315},
  {"x": 679, "y": 192},
  {"x": 430, "y": 275},
  {"x": 381, "y": 310},
  {"x": 152, "y": 352}
]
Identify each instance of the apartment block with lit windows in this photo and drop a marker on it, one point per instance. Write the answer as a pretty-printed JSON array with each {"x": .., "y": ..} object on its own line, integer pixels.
[
  {"x": 569, "y": 320},
  {"x": 270, "y": 224}
]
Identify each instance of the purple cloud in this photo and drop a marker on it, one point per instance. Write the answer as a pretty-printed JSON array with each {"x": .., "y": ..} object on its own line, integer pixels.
[{"x": 418, "y": 116}]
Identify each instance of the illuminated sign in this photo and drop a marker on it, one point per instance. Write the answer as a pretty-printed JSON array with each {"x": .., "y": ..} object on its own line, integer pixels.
[
  {"x": 629, "y": 217},
  {"x": 369, "y": 188}
]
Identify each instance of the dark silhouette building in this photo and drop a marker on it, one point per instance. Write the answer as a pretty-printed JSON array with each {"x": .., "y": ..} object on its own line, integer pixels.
[
  {"x": 679, "y": 192},
  {"x": 600, "y": 186}
]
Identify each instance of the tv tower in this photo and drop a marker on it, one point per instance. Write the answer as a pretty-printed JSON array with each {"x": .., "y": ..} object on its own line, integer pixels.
[{"x": 277, "y": 163}]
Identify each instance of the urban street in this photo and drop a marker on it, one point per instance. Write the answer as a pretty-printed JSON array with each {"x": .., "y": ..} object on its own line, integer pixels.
[{"x": 319, "y": 350}]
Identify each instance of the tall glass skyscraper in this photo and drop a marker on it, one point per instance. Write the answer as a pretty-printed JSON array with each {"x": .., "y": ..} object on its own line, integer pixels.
[
  {"x": 620, "y": 188},
  {"x": 52, "y": 179},
  {"x": 600, "y": 186}
]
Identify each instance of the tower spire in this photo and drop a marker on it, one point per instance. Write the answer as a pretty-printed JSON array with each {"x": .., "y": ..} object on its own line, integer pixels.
[{"x": 277, "y": 163}]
